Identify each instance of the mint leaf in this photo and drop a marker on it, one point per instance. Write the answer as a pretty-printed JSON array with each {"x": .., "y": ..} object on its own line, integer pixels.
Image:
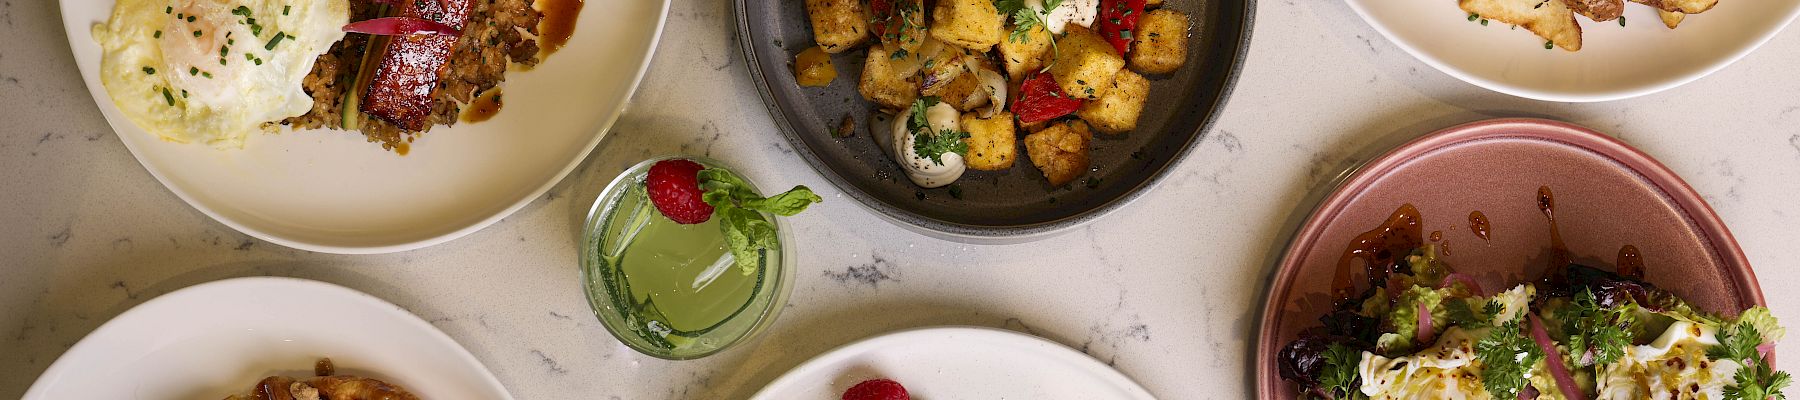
[
  {"x": 738, "y": 208},
  {"x": 786, "y": 204}
]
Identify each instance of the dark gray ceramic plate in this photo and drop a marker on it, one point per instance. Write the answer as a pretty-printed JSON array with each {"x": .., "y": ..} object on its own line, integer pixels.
[{"x": 998, "y": 206}]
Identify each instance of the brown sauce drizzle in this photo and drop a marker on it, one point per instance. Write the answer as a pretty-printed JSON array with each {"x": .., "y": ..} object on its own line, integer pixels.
[
  {"x": 1631, "y": 264},
  {"x": 1559, "y": 253},
  {"x": 1478, "y": 223},
  {"x": 1378, "y": 248},
  {"x": 558, "y": 24},
  {"x": 484, "y": 106}
]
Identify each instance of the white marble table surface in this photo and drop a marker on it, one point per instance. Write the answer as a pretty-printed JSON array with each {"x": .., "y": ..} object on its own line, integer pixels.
[{"x": 1163, "y": 290}]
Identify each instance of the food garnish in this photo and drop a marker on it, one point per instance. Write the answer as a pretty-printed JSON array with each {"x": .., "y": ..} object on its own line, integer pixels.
[
  {"x": 689, "y": 193},
  {"x": 877, "y": 389},
  {"x": 934, "y": 144},
  {"x": 674, "y": 188}
]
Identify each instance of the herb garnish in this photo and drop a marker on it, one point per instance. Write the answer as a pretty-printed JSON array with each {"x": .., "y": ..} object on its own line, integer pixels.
[
  {"x": 738, "y": 208},
  {"x": 1756, "y": 380},
  {"x": 1339, "y": 378},
  {"x": 929, "y": 144},
  {"x": 1505, "y": 355},
  {"x": 1595, "y": 330}
]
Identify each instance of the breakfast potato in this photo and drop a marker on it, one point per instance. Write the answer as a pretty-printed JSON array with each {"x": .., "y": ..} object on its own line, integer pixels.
[
  {"x": 838, "y": 25},
  {"x": 992, "y": 144},
  {"x": 1551, "y": 20},
  {"x": 1159, "y": 45},
  {"x": 970, "y": 24},
  {"x": 1085, "y": 63},
  {"x": 1060, "y": 151},
  {"x": 1117, "y": 112},
  {"x": 883, "y": 84},
  {"x": 1670, "y": 18},
  {"x": 1027, "y": 54},
  {"x": 963, "y": 93}
]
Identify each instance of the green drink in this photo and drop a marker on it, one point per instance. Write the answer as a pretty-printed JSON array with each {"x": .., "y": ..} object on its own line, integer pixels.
[{"x": 674, "y": 290}]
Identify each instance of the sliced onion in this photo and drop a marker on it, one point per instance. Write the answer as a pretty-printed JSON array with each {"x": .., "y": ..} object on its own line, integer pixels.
[
  {"x": 1467, "y": 281},
  {"x": 995, "y": 86},
  {"x": 1528, "y": 393},
  {"x": 396, "y": 26},
  {"x": 1426, "y": 332},
  {"x": 1553, "y": 359}
]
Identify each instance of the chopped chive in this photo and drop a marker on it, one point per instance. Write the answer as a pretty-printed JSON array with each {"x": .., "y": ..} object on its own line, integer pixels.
[
  {"x": 193, "y": 71},
  {"x": 149, "y": 71},
  {"x": 274, "y": 41},
  {"x": 222, "y": 50},
  {"x": 221, "y": 60},
  {"x": 1484, "y": 22},
  {"x": 284, "y": 9},
  {"x": 196, "y": 33},
  {"x": 1621, "y": 20},
  {"x": 168, "y": 97},
  {"x": 1549, "y": 44},
  {"x": 1125, "y": 34},
  {"x": 258, "y": 61},
  {"x": 241, "y": 10},
  {"x": 208, "y": 75},
  {"x": 190, "y": 18},
  {"x": 247, "y": 56},
  {"x": 1474, "y": 16},
  {"x": 168, "y": 9},
  {"x": 180, "y": 16},
  {"x": 184, "y": 93},
  {"x": 157, "y": 35},
  {"x": 255, "y": 30}
]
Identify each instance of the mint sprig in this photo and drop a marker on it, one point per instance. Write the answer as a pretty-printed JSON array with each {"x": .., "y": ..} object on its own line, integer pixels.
[{"x": 739, "y": 208}]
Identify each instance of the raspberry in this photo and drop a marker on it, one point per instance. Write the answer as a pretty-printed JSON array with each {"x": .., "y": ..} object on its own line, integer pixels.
[
  {"x": 877, "y": 389},
  {"x": 674, "y": 187}
]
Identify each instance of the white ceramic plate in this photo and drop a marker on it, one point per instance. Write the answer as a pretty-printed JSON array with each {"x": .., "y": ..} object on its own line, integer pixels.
[
  {"x": 220, "y": 338},
  {"x": 331, "y": 191},
  {"x": 1614, "y": 63},
  {"x": 957, "y": 363}
]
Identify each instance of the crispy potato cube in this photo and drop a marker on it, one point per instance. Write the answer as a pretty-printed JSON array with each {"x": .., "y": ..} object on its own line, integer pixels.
[
  {"x": 882, "y": 84},
  {"x": 1117, "y": 111},
  {"x": 969, "y": 24},
  {"x": 992, "y": 144},
  {"x": 1551, "y": 20},
  {"x": 1027, "y": 54},
  {"x": 964, "y": 93},
  {"x": 1680, "y": 6},
  {"x": 1670, "y": 18},
  {"x": 1085, "y": 63},
  {"x": 1060, "y": 151},
  {"x": 838, "y": 25},
  {"x": 1159, "y": 45}
]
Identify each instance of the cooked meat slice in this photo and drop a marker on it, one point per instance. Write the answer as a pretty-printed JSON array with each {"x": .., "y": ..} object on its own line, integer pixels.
[{"x": 405, "y": 81}]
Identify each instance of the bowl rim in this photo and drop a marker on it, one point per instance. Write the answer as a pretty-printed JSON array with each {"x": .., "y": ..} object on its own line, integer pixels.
[
  {"x": 990, "y": 234},
  {"x": 1689, "y": 202},
  {"x": 779, "y": 283}
]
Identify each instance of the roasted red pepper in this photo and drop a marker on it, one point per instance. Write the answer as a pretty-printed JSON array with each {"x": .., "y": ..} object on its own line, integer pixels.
[
  {"x": 881, "y": 14},
  {"x": 1040, "y": 99},
  {"x": 1118, "y": 20}
]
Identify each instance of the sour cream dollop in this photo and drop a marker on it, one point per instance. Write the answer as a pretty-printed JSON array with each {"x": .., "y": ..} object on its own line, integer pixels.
[
  {"x": 1079, "y": 12},
  {"x": 921, "y": 170}
]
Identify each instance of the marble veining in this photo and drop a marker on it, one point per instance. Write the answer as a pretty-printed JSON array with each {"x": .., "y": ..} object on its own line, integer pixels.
[{"x": 1166, "y": 290}]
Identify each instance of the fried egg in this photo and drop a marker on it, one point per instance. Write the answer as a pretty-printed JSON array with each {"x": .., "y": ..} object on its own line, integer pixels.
[
  {"x": 213, "y": 71},
  {"x": 1674, "y": 366}
]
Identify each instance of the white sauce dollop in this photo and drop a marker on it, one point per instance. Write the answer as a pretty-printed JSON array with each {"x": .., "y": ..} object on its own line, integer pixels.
[
  {"x": 1079, "y": 12},
  {"x": 922, "y": 171}
]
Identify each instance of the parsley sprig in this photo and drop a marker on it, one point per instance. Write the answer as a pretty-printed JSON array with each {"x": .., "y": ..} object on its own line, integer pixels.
[
  {"x": 1506, "y": 354},
  {"x": 1596, "y": 330},
  {"x": 1339, "y": 377},
  {"x": 1026, "y": 18},
  {"x": 933, "y": 144},
  {"x": 739, "y": 208},
  {"x": 1757, "y": 380}
]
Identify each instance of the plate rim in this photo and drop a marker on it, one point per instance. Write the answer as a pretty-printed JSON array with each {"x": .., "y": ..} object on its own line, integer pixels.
[
  {"x": 989, "y": 234},
  {"x": 1311, "y": 230},
  {"x": 605, "y": 127},
  {"x": 59, "y": 367},
  {"x": 873, "y": 342},
  {"x": 1572, "y": 97}
]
